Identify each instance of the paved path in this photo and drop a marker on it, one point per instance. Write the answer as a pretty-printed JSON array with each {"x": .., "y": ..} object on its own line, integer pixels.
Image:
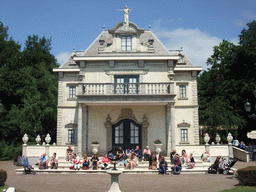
[{"x": 128, "y": 182}]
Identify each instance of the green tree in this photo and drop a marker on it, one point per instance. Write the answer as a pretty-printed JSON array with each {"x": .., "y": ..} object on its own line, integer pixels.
[
  {"x": 224, "y": 87},
  {"x": 28, "y": 88}
]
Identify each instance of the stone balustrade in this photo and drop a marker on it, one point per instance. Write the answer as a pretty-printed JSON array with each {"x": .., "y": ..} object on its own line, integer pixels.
[{"x": 126, "y": 88}]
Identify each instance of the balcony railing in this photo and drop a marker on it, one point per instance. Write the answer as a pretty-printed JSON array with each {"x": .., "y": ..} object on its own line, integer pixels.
[{"x": 126, "y": 89}]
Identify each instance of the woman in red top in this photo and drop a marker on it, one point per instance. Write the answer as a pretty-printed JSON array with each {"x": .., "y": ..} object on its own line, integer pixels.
[
  {"x": 176, "y": 165},
  {"x": 105, "y": 164}
]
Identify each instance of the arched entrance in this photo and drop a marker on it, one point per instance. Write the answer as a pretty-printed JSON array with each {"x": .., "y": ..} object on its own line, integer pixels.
[{"x": 126, "y": 133}]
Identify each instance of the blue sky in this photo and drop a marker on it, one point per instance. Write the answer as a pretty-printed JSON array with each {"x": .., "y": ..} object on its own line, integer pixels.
[{"x": 195, "y": 25}]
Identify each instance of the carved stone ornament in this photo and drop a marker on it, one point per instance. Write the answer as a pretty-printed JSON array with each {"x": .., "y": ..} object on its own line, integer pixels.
[
  {"x": 108, "y": 123},
  {"x": 230, "y": 138},
  {"x": 217, "y": 139},
  {"x": 145, "y": 122},
  {"x": 25, "y": 139},
  {"x": 127, "y": 114},
  {"x": 206, "y": 139},
  {"x": 38, "y": 139},
  {"x": 48, "y": 139}
]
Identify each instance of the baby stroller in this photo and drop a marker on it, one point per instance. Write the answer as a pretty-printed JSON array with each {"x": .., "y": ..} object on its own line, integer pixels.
[
  {"x": 222, "y": 165},
  {"x": 28, "y": 169},
  {"x": 227, "y": 164}
]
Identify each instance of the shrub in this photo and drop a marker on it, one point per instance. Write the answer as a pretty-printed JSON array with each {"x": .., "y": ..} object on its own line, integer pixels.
[
  {"x": 247, "y": 176},
  {"x": 8, "y": 151},
  {"x": 3, "y": 177}
]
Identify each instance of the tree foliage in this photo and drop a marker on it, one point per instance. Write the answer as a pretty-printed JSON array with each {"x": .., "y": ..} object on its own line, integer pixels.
[
  {"x": 28, "y": 88},
  {"x": 223, "y": 89}
]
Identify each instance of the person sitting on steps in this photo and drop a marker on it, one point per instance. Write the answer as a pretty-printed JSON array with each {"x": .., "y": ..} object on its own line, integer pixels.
[
  {"x": 95, "y": 162},
  {"x": 163, "y": 167},
  {"x": 86, "y": 162},
  {"x": 176, "y": 165},
  {"x": 54, "y": 161}
]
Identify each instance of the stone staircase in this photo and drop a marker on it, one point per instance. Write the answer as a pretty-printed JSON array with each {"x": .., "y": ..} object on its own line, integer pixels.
[{"x": 142, "y": 168}]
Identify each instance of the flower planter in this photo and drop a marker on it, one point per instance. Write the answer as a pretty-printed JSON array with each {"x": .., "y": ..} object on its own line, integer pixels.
[{"x": 95, "y": 148}]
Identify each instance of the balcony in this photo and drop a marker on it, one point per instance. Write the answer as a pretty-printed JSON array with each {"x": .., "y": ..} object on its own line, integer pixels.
[{"x": 125, "y": 92}]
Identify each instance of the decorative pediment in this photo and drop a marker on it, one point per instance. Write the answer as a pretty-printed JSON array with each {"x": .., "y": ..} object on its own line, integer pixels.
[
  {"x": 120, "y": 28},
  {"x": 184, "y": 124},
  {"x": 70, "y": 125}
]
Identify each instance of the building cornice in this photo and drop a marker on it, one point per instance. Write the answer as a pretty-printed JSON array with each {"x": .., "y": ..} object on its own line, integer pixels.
[
  {"x": 122, "y": 58},
  {"x": 66, "y": 70}
]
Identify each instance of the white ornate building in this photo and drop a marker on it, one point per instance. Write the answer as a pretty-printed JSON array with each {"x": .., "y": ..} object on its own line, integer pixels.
[{"x": 127, "y": 89}]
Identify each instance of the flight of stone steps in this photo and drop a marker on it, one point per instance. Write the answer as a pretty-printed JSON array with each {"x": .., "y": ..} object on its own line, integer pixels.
[{"x": 142, "y": 168}]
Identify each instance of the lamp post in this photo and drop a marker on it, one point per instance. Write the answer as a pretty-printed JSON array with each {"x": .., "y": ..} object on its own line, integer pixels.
[
  {"x": 35, "y": 130},
  {"x": 248, "y": 108}
]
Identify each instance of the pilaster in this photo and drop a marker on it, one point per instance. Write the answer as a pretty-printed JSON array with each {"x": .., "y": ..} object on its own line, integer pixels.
[
  {"x": 171, "y": 127},
  {"x": 79, "y": 130}
]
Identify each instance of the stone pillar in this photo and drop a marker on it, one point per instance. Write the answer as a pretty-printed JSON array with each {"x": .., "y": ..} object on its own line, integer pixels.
[
  {"x": 230, "y": 150},
  {"x": 47, "y": 150},
  {"x": 79, "y": 130},
  {"x": 195, "y": 111},
  {"x": 172, "y": 127},
  {"x": 24, "y": 150},
  {"x": 85, "y": 131},
  {"x": 144, "y": 126},
  {"x": 108, "y": 126}
]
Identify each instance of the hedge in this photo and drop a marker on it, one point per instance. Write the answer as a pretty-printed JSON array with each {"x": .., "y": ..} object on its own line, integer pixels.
[
  {"x": 247, "y": 176},
  {"x": 3, "y": 177}
]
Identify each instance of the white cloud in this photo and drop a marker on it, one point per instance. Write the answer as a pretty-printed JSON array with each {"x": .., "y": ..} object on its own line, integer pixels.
[
  {"x": 62, "y": 57},
  {"x": 197, "y": 45},
  {"x": 248, "y": 14}
]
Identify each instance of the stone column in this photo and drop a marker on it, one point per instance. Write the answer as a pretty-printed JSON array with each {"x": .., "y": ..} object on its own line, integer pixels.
[
  {"x": 172, "y": 127},
  {"x": 108, "y": 126},
  {"x": 144, "y": 127},
  {"x": 85, "y": 129},
  {"x": 79, "y": 130},
  {"x": 24, "y": 150}
]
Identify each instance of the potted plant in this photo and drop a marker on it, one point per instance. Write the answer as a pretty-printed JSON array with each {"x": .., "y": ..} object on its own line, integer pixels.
[
  {"x": 95, "y": 147},
  {"x": 158, "y": 146}
]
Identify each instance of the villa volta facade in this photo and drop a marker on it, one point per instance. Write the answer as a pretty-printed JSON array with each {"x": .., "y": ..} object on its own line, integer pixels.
[{"x": 127, "y": 89}]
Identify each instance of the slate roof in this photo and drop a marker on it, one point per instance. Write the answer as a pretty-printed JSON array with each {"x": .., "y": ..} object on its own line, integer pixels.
[{"x": 93, "y": 49}]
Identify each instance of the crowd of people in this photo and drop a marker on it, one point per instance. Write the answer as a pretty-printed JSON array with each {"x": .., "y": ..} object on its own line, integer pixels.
[
  {"x": 250, "y": 147},
  {"x": 129, "y": 159}
]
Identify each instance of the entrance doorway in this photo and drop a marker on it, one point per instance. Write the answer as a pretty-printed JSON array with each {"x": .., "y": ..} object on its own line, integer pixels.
[{"x": 126, "y": 133}]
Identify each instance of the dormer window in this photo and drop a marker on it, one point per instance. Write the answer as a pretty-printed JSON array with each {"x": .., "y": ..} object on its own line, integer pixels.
[{"x": 126, "y": 44}]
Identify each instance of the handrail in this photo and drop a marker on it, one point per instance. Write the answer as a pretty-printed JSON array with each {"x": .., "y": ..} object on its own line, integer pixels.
[
  {"x": 126, "y": 88},
  {"x": 241, "y": 154}
]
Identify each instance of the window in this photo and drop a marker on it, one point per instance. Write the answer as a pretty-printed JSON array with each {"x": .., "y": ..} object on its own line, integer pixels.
[
  {"x": 71, "y": 135},
  {"x": 126, "y": 84},
  {"x": 184, "y": 135},
  {"x": 72, "y": 92},
  {"x": 183, "y": 93},
  {"x": 134, "y": 134},
  {"x": 119, "y": 133},
  {"x": 126, "y": 43}
]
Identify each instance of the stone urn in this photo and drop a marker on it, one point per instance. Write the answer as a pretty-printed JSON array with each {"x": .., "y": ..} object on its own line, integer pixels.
[
  {"x": 206, "y": 139},
  {"x": 158, "y": 148},
  {"x": 217, "y": 139},
  {"x": 95, "y": 148},
  {"x": 48, "y": 139},
  {"x": 25, "y": 139},
  {"x": 230, "y": 138},
  {"x": 38, "y": 139}
]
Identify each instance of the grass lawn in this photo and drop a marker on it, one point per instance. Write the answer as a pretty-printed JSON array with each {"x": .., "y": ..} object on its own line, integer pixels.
[{"x": 241, "y": 189}]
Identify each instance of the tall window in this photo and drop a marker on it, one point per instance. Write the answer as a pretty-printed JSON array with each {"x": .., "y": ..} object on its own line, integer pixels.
[
  {"x": 72, "y": 92},
  {"x": 126, "y": 44},
  {"x": 126, "y": 84},
  {"x": 134, "y": 134},
  {"x": 71, "y": 135},
  {"x": 119, "y": 133},
  {"x": 184, "y": 135},
  {"x": 183, "y": 93}
]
